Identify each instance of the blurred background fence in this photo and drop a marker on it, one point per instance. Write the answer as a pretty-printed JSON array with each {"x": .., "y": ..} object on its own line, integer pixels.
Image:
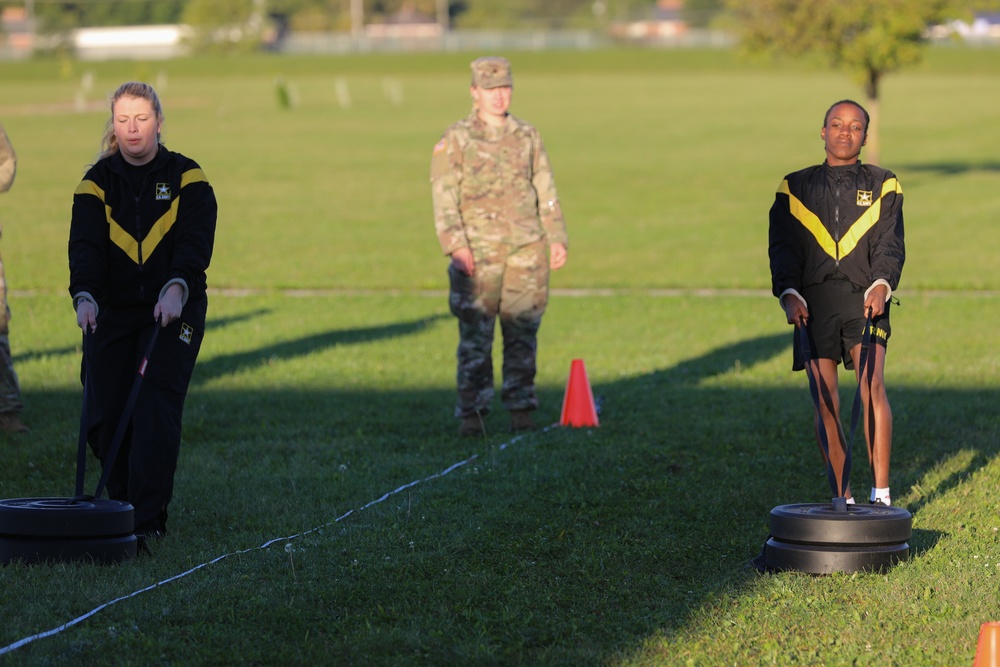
[{"x": 156, "y": 29}]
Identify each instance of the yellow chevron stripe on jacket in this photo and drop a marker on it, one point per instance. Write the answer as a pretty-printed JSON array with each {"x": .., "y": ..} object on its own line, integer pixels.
[
  {"x": 857, "y": 229},
  {"x": 121, "y": 238}
]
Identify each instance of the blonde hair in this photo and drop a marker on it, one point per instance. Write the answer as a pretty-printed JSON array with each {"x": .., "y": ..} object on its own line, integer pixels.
[{"x": 109, "y": 143}]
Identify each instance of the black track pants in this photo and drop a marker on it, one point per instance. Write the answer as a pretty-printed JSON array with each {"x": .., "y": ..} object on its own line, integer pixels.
[{"x": 143, "y": 470}]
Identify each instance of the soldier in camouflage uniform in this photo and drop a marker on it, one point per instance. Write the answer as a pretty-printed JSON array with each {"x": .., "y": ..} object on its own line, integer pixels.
[
  {"x": 10, "y": 390},
  {"x": 498, "y": 218}
]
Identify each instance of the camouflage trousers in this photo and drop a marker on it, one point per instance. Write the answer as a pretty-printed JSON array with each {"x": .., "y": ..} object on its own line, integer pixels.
[
  {"x": 10, "y": 389},
  {"x": 512, "y": 282}
]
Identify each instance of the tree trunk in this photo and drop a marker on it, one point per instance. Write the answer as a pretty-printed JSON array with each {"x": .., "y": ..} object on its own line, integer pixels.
[
  {"x": 357, "y": 18},
  {"x": 873, "y": 149}
]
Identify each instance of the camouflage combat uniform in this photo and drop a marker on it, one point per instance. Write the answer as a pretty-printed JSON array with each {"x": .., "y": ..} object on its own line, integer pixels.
[
  {"x": 10, "y": 390},
  {"x": 494, "y": 193}
]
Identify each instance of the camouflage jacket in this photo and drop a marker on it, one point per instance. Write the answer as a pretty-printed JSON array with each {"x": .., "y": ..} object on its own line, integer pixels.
[
  {"x": 8, "y": 162},
  {"x": 493, "y": 185}
]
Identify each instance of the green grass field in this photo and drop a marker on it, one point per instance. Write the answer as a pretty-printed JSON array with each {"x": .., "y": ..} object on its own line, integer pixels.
[{"x": 326, "y": 380}]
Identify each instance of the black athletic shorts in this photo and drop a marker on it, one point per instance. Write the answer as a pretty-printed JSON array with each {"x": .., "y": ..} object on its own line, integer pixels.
[{"x": 837, "y": 322}]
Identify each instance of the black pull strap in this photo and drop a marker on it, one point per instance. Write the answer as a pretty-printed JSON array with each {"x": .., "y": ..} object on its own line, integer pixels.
[
  {"x": 81, "y": 453},
  {"x": 126, "y": 414},
  {"x": 867, "y": 368}
]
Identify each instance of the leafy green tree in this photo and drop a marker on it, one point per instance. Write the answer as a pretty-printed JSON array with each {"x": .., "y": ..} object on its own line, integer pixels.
[
  {"x": 222, "y": 26},
  {"x": 61, "y": 16},
  {"x": 867, "y": 38},
  {"x": 311, "y": 15},
  {"x": 498, "y": 14},
  {"x": 699, "y": 13}
]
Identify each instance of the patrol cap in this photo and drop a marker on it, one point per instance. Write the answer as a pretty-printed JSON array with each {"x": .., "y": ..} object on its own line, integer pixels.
[{"x": 491, "y": 72}]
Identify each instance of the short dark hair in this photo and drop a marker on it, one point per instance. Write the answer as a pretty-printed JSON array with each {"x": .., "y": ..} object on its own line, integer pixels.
[{"x": 868, "y": 118}]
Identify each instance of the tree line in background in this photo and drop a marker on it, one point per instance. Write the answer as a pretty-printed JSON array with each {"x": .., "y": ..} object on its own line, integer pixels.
[
  {"x": 866, "y": 38},
  {"x": 337, "y": 15},
  {"x": 781, "y": 17}
]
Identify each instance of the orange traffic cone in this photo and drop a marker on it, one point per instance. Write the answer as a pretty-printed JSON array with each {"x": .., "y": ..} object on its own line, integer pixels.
[
  {"x": 988, "y": 650},
  {"x": 578, "y": 403}
]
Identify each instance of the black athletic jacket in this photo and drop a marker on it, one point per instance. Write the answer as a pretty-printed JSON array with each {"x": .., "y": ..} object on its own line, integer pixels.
[
  {"x": 125, "y": 247},
  {"x": 830, "y": 223}
]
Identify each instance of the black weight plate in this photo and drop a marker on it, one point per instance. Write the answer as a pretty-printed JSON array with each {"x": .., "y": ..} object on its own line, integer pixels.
[
  {"x": 103, "y": 550},
  {"x": 815, "y": 559},
  {"x": 860, "y": 525},
  {"x": 64, "y": 517}
]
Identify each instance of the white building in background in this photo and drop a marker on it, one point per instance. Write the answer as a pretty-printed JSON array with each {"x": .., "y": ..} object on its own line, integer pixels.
[
  {"x": 984, "y": 29},
  {"x": 18, "y": 39},
  {"x": 146, "y": 42}
]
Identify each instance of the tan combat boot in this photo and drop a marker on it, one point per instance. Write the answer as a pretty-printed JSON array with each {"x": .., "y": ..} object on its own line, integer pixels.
[
  {"x": 471, "y": 426},
  {"x": 11, "y": 423},
  {"x": 520, "y": 420}
]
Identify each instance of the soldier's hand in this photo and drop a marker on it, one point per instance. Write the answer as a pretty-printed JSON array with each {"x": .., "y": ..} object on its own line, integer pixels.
[
  {"x": 875, "y": 303},
  {"x": 557, "y": 256},
  {"x": 86, "y": 316},
  {"x": 169, "y": 307},
  {"x": 795, "y": 311},
  {"x": 463, "y": 261}
]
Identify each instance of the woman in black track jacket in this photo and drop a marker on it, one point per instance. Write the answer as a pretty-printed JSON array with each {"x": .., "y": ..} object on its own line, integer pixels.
[
  {"x": 836, "y": 252},
  {"x": 141, "y": 239}
]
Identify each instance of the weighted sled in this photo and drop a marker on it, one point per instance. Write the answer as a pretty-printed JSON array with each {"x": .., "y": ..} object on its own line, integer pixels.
[
  {"x": 36, "y": 530},
  {"x": 830, "y": 558},
  {"x": 817, "y": 539},
  {"x": 84, "y": 527},
  {"x": 814, "y": 523},
  {"x": 64, "y": 517}
]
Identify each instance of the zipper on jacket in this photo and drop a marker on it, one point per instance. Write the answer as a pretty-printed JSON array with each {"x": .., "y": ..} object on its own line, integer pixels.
[
  {"x": 138, "y": 238},
  {"x": 836, "y": 219}
]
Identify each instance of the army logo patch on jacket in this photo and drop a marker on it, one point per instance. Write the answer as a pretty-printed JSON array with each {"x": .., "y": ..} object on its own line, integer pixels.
[
  {"x": 865, "y": 198},
  {"x": 163, "y": 192}
]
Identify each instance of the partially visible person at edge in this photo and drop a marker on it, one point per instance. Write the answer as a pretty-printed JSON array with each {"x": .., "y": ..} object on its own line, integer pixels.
[
  {"x": 498, "y": 218},
  {"x": 141, "y": 238},
  {"x": 836, "y": 253},
  {"x": 10, "y": 388}
]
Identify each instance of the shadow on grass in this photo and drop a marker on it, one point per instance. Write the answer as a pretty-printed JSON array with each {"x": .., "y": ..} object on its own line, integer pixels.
[
  {"x": 924, "y": 541},
  {"x": 241, "y": 362},
  {"x": 571, "y": 546},
  {"x": 213, "y": 324},
  {"x": 25, "y": 357}
]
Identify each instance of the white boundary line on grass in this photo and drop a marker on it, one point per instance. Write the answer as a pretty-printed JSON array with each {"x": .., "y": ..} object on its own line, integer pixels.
[{"x": 79, "y": 619}]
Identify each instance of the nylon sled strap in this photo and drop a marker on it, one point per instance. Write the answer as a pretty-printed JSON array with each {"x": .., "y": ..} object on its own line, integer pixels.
[
  {"x": 81, "y": 453},
  {"x": 116, "y": 443},
  {"x": 866, "y": 368},
  {"x": 867, "y": 363}
]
